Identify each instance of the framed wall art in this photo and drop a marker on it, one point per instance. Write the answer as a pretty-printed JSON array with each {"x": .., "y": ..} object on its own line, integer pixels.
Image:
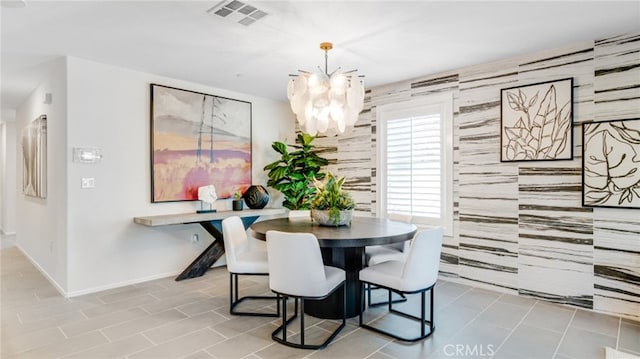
[
  {"x": 536, "y": 122},
  {"x": 611, "y": 164},
  {"x": 198, "y": 139},
  {"x": 34, "y": 158}
]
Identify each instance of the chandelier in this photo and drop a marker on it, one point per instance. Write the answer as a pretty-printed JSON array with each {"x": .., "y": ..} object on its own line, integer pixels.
[{"x": 326, "y": 102}]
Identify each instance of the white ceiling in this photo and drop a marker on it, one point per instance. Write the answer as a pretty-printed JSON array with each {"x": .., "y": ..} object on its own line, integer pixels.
[{"x": 387, "y": 41}]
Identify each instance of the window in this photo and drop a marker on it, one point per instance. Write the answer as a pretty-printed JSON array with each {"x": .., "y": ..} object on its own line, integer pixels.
[{"x": 415, "y": 160}]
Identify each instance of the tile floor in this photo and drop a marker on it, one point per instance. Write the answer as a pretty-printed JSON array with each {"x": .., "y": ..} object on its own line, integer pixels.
[{"x": 189, "y": 319}]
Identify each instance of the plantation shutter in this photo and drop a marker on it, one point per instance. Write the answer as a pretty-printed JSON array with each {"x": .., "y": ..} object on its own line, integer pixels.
[{"x": 414, "y": 166}]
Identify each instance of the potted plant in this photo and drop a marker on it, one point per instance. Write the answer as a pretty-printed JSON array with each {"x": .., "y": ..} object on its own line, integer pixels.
[
  {"x": 237, "y": 201},
  {"x": 294, "y": 173},
  {"x": 332, "y": 206}
]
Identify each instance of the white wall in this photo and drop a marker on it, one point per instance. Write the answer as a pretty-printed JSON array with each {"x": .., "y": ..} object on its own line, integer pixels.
[
  {"x": 109, "y": 109},
  {"x": 84, "y": 240},
  {"x": 8, "y": 174},
  {"x": 41, "y": 224}
]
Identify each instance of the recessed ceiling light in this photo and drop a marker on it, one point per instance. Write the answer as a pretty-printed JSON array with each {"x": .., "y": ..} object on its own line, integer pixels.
[{"x": 13, "y": 4}]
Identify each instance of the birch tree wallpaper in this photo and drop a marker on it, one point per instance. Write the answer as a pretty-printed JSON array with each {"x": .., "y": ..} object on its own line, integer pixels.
[{"x": 197, "y": 140}]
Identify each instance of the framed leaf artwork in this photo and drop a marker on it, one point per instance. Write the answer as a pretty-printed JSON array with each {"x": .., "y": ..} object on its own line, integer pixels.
[
  {"x": 198, "y": 140},
  {"x": 536, "y": 122},
  {"x": 611, "y": 164}
]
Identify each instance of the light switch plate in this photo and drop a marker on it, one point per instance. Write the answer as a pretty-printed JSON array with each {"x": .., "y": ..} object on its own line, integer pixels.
[{"x": 88, "y": 182}]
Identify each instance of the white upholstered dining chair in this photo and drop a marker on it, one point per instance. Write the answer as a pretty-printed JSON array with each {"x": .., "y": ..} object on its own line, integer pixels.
[
  {"x": 382, "y": 253},
  {"x": 243, "y": 259},
  {"x": 417, "y": 274},
  {"x": 296, "y": 270},
  {"x": 395, "y": 251}
]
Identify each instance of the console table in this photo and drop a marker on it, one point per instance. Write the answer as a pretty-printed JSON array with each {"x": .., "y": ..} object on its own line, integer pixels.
[{"x": 212, "y": 223}]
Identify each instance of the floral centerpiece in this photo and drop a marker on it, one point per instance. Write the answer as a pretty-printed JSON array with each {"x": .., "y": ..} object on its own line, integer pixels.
[{"x": 331, "y": 205}]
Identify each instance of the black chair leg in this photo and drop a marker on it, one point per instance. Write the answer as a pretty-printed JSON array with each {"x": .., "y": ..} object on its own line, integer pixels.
[
  {"x": 302, "y": 322},
  {"x": 362, "y": 292},
  {"x": 284, "y": 318},
  {"x": 234, "y": 300},
  {"x": 431, "y": 320},
  {"x": 370, "y": 302},
  {"x": 285, "y": 321},
  {"x": 422, "y": 319},
  {"x": 302, "y": 344},
  {"x": 422, "y": 310}
]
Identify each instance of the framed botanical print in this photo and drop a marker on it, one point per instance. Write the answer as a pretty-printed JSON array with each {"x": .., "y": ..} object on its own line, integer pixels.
[
  {"x": 198, "y": 139},
  {"x": 611, "y": 164},
  {"x": 536, "y": 122}
]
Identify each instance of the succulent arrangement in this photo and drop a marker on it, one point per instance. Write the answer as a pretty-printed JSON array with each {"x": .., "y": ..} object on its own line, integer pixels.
[{"x": 237, "y": 201}]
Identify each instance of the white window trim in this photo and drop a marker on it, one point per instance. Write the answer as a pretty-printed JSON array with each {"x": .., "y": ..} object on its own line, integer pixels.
[{"x": 441, "y": 103}]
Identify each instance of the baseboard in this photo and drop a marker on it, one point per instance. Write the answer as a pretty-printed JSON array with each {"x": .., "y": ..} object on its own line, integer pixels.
[
  {"x": 476, "y": 284},
  {"x": 42, "y": 271},
  {"x": 72, "y": 294},
  {"x": 611, "y": 353},
  {"x": 2, "y": 232},
  {"x": 120, "y": 284},
  {"x": 448, "y": 277}
]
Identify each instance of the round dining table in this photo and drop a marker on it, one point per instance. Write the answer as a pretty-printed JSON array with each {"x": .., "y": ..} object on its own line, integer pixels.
[{"x": 341, "y": 247}]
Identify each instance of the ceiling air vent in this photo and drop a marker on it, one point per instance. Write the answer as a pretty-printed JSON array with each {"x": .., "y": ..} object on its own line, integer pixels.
[{"x": 237, "y": 11}]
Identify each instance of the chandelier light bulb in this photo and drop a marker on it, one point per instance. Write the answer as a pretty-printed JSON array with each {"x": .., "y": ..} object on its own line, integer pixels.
[
  {"x": 315, "y": 80},
  {"x": 338, "y": 81}
]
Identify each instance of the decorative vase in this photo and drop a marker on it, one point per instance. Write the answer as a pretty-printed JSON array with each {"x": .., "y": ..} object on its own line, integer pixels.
[
  {"x": 324, "y": 218},
  {"x": 237, "y": 204},
  {"x": 256, "y": 197}
]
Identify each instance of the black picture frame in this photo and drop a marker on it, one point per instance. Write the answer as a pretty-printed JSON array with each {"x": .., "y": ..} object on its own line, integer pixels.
[
  {"x": 544, "y": 134},
  {"x": 611, "y": 164}
]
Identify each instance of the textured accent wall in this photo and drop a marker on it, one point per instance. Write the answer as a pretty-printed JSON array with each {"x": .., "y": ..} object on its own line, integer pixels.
[{"x": 519, "y": 227}]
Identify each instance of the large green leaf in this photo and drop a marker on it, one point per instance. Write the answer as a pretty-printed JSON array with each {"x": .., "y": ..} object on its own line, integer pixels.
[
  {"x": 272, "y": 165},
  {"x": 279, "y": 147},
  {"x": 278, "y": 173}
]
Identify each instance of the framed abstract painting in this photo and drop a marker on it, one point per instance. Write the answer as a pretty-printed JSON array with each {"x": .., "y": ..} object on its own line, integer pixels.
[
  {"x": 197, "y": 140},
  {"x": 536, "y": 122},
  {"x": 611, "y": 164},
  {"x": 34, "y": 158}
]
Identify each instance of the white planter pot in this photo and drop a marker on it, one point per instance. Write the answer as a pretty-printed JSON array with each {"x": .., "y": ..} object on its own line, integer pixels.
[{"x": 324, "y": 219}]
